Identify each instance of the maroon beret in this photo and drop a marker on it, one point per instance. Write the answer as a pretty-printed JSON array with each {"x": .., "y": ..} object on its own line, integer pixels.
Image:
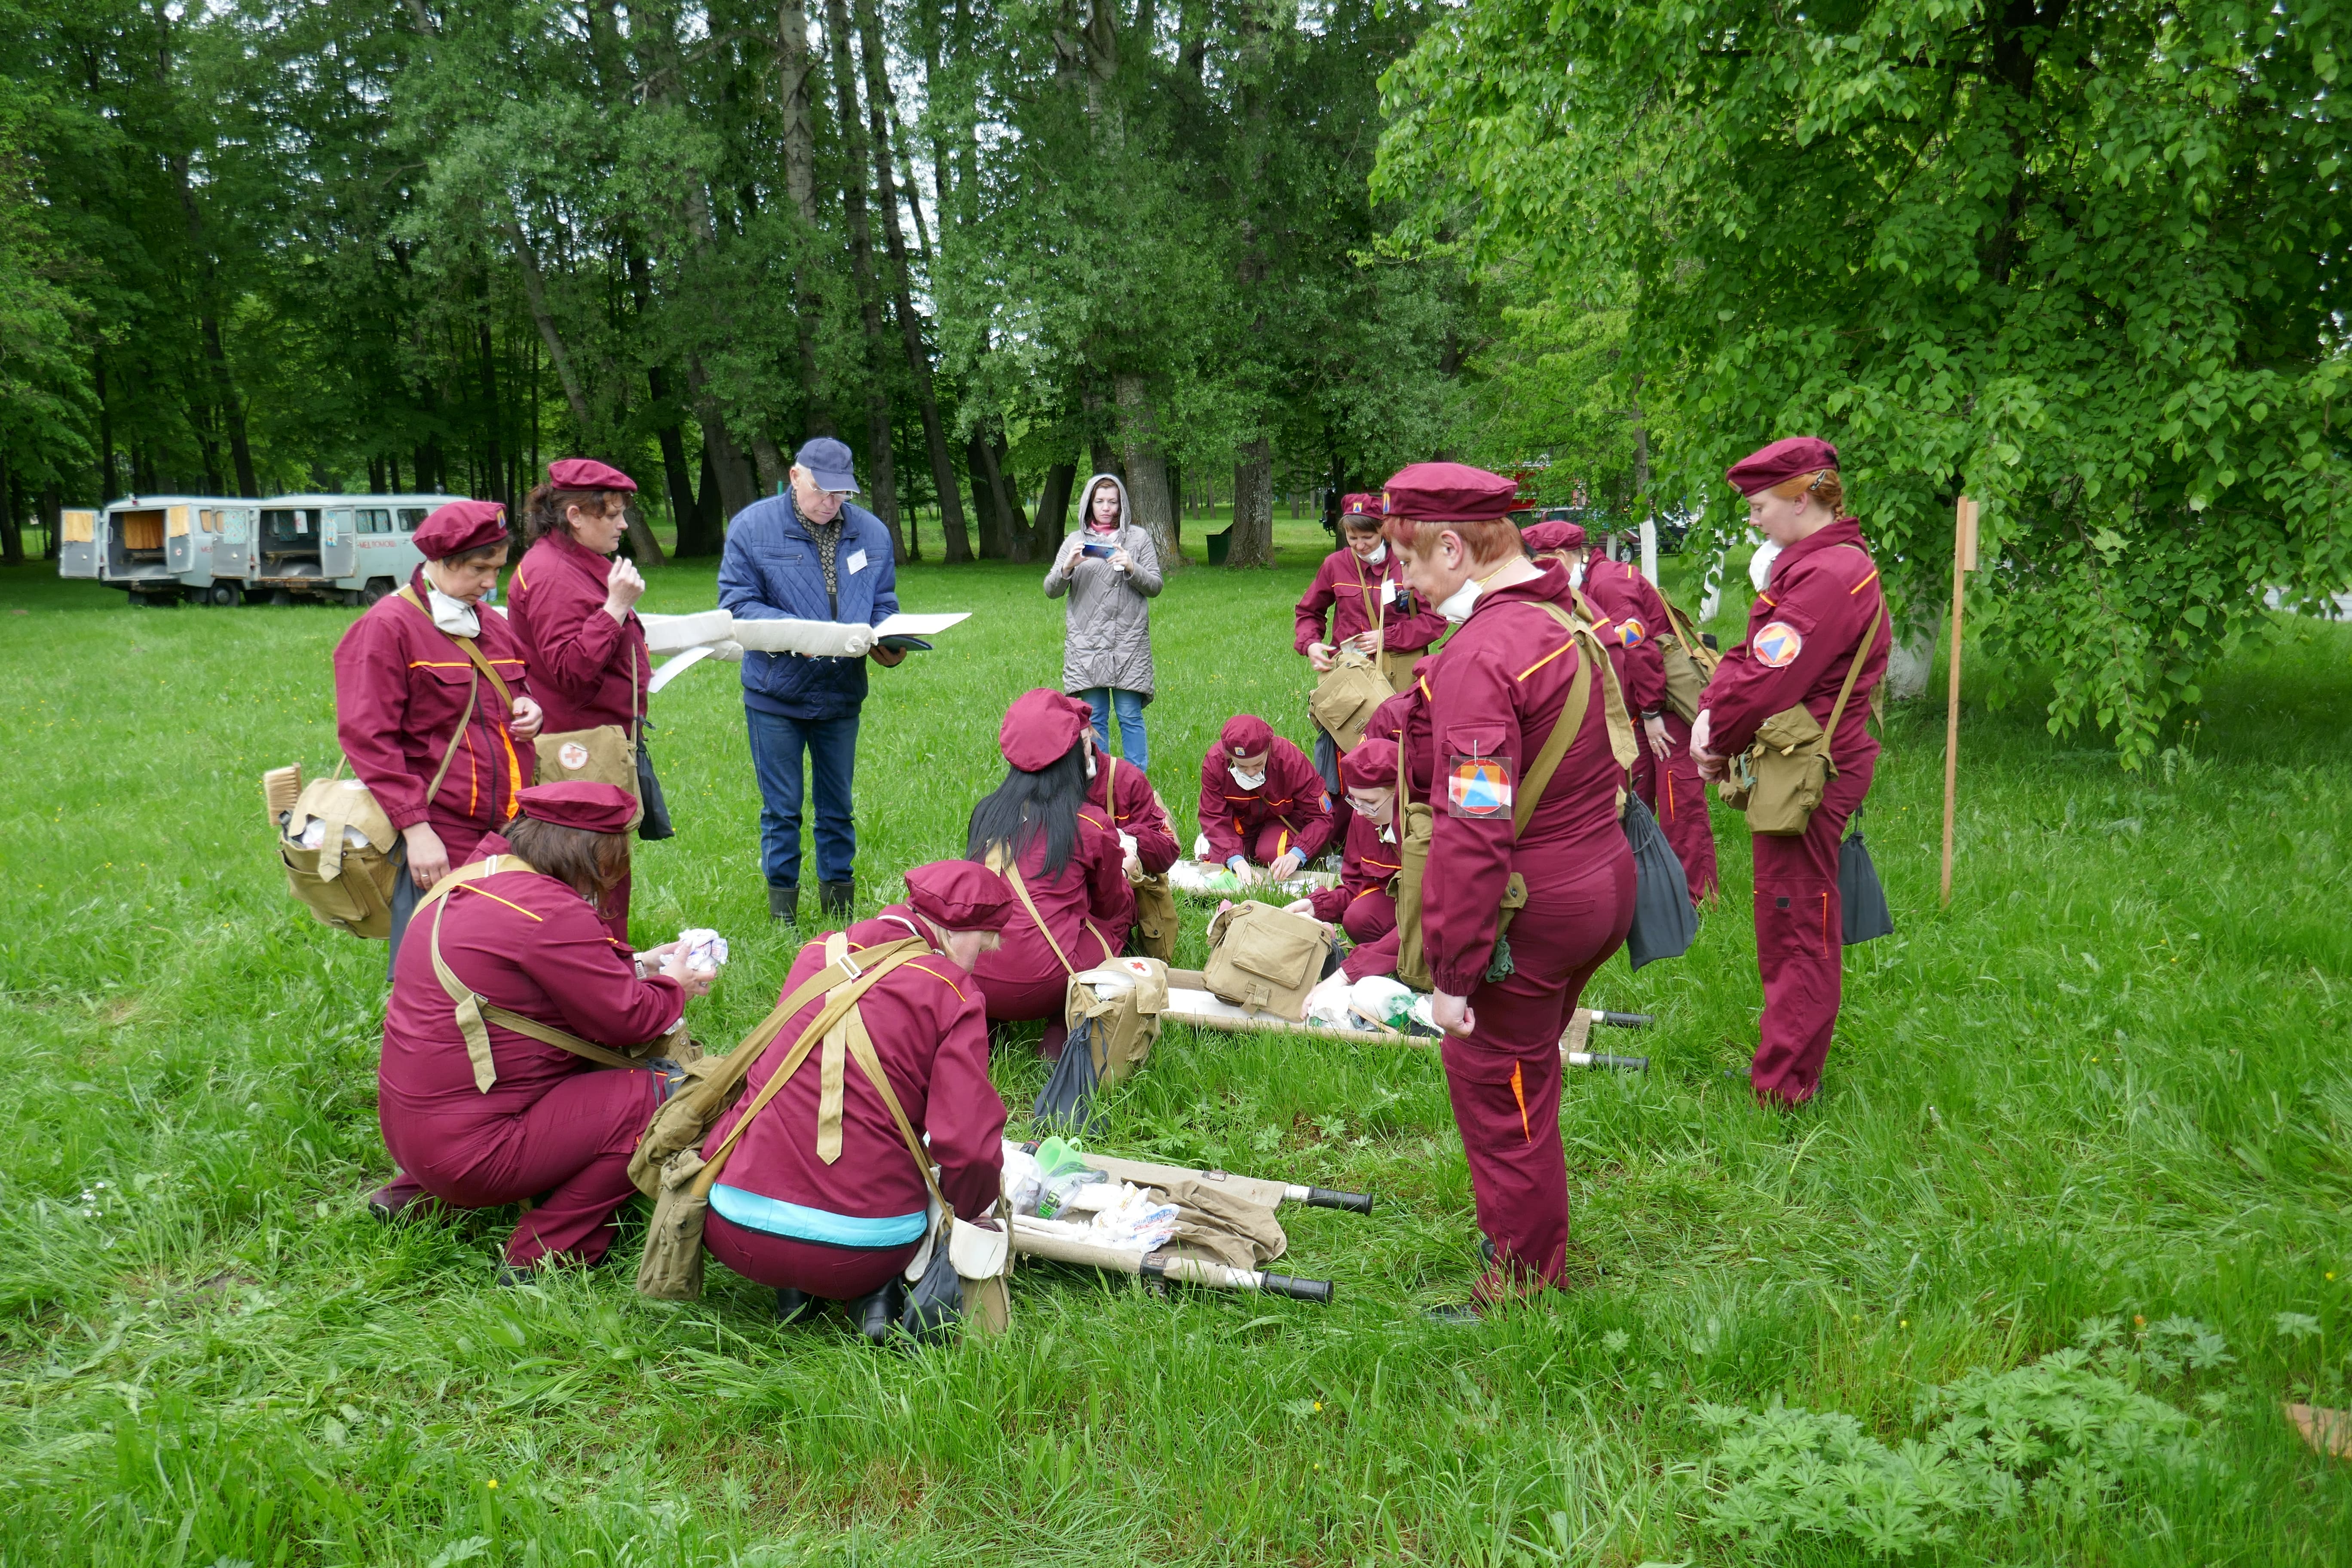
[
  {"x": 1245, "y": 735},
  {"x": 461, "y": 525},
  {"x": 1448, "y": 492},
  {"x": 960, "y": 895},
  {"x": 1362, "y": 503},
  {"x": 1040, "y": 728},
  {"x": 1761, "y": 470},
  {"x": 1543, "y": 537},
  {"x": 588, "y": 474},
  {"x": 1371, "y": 765},
  {"x": 580, "y": 802}
]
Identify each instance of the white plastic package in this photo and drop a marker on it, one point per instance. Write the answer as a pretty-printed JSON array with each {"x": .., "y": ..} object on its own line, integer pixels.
[
  {"x": 1024, "y": 1182},
  {"x": 704, "y": 950},
  {"x": 1328, "y": 1002},
  {"x": 1381, "y": 999},
  {"x": 314, "y": 835}
]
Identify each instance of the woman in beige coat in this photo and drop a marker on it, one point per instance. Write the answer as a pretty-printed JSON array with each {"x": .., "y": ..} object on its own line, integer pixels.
[{"x": 1111, "y": 573}]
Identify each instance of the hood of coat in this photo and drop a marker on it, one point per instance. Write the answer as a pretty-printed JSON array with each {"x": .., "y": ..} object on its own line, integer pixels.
[{"x": 1087, "y": 502}]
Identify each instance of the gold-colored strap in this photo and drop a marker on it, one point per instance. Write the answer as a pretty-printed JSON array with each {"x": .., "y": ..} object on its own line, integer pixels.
[
  {"x": 836, "y": 1050},
  {"x": 1002, "y": 864},
  {"x": 1853, "y": 670},
  {"x": 1563, "y": 730},
  {"x": 861, "y": 1046}
]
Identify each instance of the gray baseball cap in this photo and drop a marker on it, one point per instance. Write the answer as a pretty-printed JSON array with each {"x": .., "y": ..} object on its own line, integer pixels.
[{"x": 828, "y": 462}]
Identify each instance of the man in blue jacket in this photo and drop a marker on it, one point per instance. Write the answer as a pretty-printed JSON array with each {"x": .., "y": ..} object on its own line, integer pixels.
[{"x": 809, "y": 556}]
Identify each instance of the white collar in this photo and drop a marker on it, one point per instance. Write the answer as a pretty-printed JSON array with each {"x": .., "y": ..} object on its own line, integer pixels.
[
  {"x": 901, "y": 920},
  {"x": 455, "y": 616}
]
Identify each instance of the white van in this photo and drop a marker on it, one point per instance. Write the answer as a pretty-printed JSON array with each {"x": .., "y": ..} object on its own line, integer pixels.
[
  {"x": 352, "y": 549},
  {"x": 157, "y": 548}
]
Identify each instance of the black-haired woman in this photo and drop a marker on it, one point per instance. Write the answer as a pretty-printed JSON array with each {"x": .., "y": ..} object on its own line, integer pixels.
[{"x": 1061, "y": 857}]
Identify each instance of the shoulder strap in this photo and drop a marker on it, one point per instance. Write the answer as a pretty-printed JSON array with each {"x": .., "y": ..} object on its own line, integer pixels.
[
  {"x": 1686, "y": 632},
  {"x": 861, "y": 1047},
  {"x": 1829, "y": 730},
  {"x": 473, "y": 650},
  {"x": 1006, "y": 866},
  {"x": 836, "y": 1043},
  {"x": 1621, "y": 744},
  {"x": 1110, "y": 788}
]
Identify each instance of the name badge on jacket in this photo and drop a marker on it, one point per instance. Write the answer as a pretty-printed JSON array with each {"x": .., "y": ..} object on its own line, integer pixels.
[{"x": 857, "y": 562}]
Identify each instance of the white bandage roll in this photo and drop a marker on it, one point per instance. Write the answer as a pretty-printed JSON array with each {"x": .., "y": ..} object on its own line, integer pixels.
[
  {"x": 675, "y": 634},
  {"x": 817, "y": 639}
]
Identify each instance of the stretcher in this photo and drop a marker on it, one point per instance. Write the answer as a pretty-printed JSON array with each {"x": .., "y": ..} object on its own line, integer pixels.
[{"x": 1189, "y": 1001}]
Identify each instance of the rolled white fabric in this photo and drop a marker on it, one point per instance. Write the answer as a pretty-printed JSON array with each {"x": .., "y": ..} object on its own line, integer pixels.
[
  {"x": 817, "y": 639},
  {"x": 675, "y": 634}
]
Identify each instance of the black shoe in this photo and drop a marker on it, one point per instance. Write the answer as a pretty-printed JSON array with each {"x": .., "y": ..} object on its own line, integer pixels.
[
  {"x": 1487, "y": 1251},
  {"x": 833, "y": 898},
  {"x": 784, "y": 902},
  {"x": 509, "y": 1275},
  {"x": 877, "y": 1314},
  {"x": 796, "y": 1306},
  {"x": 1454, "y": 1314}
]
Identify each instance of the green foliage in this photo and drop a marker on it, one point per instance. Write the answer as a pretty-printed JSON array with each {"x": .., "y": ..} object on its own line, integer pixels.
[{"x": 2076, "y": 262}]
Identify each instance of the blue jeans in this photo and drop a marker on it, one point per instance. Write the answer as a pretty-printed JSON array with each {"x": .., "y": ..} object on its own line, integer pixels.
[
  {"x": 832, "y": 746},
  {"x": 1134, "y": 748}
]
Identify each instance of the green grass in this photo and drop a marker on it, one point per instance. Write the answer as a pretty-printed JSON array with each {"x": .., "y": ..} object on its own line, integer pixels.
[{"x": 2110, "y": 1081}]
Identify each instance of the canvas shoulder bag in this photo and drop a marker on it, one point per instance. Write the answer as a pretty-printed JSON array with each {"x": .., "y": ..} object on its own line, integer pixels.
[
  {"x": 1123, "y": 1001},
  {"x": 1156, "y": 917},
  {"x": 343, "y": 884},
  {"x": 1265, "y": 959},
  {"x": 1689, "y": 662},
  {"x": 1779, "y": 780},
  {"x": 1345, "y": 694}
]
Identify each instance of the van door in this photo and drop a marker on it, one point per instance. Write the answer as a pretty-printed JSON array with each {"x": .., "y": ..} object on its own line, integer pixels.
[
  {"x": 233, "y": 551},
  {"x": 179, "y": 541},
  {"x": 338, "y": 549},
  {"x": 77, "y": 544}
]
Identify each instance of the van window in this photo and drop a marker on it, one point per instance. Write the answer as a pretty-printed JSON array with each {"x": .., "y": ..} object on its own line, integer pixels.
[
  {"x": 374, "y": 520},
  {"x": 410, "y": 516},
  {"x": 285, "y": 527}
]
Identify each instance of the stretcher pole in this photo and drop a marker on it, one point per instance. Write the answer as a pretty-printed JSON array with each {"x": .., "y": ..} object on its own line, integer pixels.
[
  {"x": 1964, "y": 561},
  {"x": 1031, "y": 1240},
  {"x": 1256, "y": 1189},
  {"x": 1579, "y": 1033}
]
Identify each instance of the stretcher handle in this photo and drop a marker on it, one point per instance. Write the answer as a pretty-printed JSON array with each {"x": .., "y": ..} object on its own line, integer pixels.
[
  {"x": 1624, "y": 1020},
  {"x": 1326, "y": 1198},
  {"x": 1596, "y": 1059},
  {"x": 1316, "y": 1290}
]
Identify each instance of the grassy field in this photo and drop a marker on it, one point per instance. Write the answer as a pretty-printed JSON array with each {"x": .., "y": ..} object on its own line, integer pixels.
[{"x": 2108, "y": 1085}]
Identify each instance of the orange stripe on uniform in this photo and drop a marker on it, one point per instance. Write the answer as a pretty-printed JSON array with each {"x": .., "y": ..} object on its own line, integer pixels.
[
  {"x": 917, "y": 964},
  {"x": 1520, "y": 1093},
  {"x": 1546, "y": 658},
  {"x": 1865, "y": 582},
  {"x": 477, "y": 888},
  {"x": 514, "y": 774}
]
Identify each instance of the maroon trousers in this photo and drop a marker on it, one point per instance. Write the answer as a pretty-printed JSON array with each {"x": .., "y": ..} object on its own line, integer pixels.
[
  {"x": 1677, "y": 798},
  {"x": 1270, "y": 843},
  {"x": 1370, "y": 922},
  {"x": 1505, "y": 1078},
  {"x": 1800, "y": 943},
  {"x": 783, "y": 1262},
  {"x": 568, "y": 1148}
]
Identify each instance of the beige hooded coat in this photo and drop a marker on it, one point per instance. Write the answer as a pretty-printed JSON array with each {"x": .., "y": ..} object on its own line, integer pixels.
[{"x": 1108, "y": 640}]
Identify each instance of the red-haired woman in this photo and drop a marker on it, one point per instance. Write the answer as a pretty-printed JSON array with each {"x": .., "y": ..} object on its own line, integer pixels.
[
  {"x": 574, "y": 608},
  {"x": 1493, "y": 695}
]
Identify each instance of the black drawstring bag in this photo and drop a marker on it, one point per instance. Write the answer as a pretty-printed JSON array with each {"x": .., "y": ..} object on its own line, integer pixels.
[
  {"x": 1066, "y": 1104},
  {"x": 654, "y": 822},
  {"x": 935, "y": 1302},
  {"x": 1665, "y": 924},
  {"x": 1862, "y": 898}
]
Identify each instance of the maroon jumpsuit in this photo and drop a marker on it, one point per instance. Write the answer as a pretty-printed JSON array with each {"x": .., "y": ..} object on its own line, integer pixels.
[
  {"x": 927, "y": 1024},
  {"x": 1136, "y": 813},
  {"x": 1287, "y": 811},
  {"x": 1361, "y": 904},
  {"x": 590, "y": 669},
  {"x": 553, "y": 1126},
  {"x": 1497, "y": 689},
  {"x": 1802, "y": 634},
  {"x": 1672, "y": 790},
  {"x": 1350, "y": 593},
  {"x": 1088, "y": 909},
  {"x": 401, "y": 683}
]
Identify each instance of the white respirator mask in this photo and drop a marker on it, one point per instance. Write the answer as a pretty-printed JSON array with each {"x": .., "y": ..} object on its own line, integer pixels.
[
  {"x": 1759, "y": 567},
  {"x": 1456, "y": 607},
  {"x": 1249, "y": 781}
]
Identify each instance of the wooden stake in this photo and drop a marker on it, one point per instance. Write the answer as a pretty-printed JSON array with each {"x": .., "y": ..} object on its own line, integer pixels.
[{"x": 1964, "y": 560}]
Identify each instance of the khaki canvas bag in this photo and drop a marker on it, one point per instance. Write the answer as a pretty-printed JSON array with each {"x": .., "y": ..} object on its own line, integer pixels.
[
  {"x": 1780, "y": 781},
  {"x": 1265, "y": 959},
  {"x": 668, "y": 1165},
  {"x": 1156, "y": 917},
  {"x": 344, "y": 885},
  {"x": 1690, "y": 663},
  {"x": 1345, "y": 696},
  {"x": 1124, "y": 1000}
]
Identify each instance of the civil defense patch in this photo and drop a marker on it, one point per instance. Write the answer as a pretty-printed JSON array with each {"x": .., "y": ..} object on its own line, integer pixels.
[
  {"x": 1777, "y": 646},
  {"x": 1478, "y": 786},
  {"x": 1631, "y": 631}
]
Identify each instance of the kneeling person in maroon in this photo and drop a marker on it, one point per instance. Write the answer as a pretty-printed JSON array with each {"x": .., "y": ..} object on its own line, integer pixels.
[
  {"x": 1363, "y": 905},
  {"x": 478, "y": 1114},
  {"x": 820, "y": 1198},
  {"x": 1261, "y": 802}
]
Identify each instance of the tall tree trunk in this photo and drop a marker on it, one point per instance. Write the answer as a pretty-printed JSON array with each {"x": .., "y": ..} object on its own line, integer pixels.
[
  {"x": 692, "y": 538},
  {"x": 800, "y": 185},
  {"x": 1053, "y": 510},
  {"x": 718, "y": 448},
  {"x": 881, "y": 110},
  {"x": 1252, "y": 541},
  {"x": 493, "y": 466},
  {"x": 978, "y": 461},
  {"x": 106, "y": 491},
  {"x": 12, "y": 532},
  {"x": 1012, "y": 526},
  {"x": 1147, "y": 473},
  {"x": 232, "y": 409},
  {"x": 883, "y": 481}
]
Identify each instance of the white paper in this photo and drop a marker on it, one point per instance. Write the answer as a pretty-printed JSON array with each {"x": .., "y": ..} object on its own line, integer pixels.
[
  {"x": 857, "y": 562},
  {"x": 672, "y": 669},
  {"x": 906, "y": 626}
]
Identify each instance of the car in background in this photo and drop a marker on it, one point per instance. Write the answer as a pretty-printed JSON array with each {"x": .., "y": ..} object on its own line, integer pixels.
[{"x": 347, "y": 549}]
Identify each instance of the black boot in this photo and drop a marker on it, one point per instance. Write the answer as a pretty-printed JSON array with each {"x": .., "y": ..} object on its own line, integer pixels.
[
  {"x": 784, "y": 902},
  {"x": 796, "y": 1306},
  {"x": 833, "y": 898},
  {"x": 875, "y": 1315}
]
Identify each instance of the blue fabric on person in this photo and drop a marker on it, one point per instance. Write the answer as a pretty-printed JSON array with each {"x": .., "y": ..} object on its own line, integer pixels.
[
  {"x": 1134, "y": 746},
  {"x": 771, "y": 571},
  {"x": 777, "y": 1217},
  {"x": 777, "y": 743}
]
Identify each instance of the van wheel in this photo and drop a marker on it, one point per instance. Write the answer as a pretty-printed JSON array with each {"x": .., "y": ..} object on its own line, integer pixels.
[
  {"x": 377, "y": 587},
  {"x": 227, "y": 593}
]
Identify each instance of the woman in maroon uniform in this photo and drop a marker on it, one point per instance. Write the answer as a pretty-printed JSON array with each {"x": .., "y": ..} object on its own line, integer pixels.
[
  {"x": 1069, "y": 858},
  {"x": 574, "y": 608},
  {"x": 502, "y": 1116},
  {"x": 1361, "y": 905},
  {"x": 1358, "y": 599},
  {"x": 820, "y": 1198},
  {"x": 1493, "y": 697},
  {"x": 1122, "y": 796},
  {"x": 1822, "y": 609},
  {"x": 1261, "y": 802},
  {"x": 431, "y": 704}
]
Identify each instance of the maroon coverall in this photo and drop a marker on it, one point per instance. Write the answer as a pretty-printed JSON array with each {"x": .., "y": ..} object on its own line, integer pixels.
[
  {"x": 1361, "y": 904},
  {"x": 553, "y": 1126},
  {"x": 928, "y": 1025},
  {"x": 399, "y": 685},
  {"x": 1802, "y": 634},
  {"x": 1674, "y": 790},
  {"x": 1495, "y": 691},
  {"x": 1136, "y": 813},
  {"x": 1087, "y": 907},
  {"x": 588, "y": 669},
  {"x": 1350, "y": 592},
  {"x": 1287, "y": 811}
]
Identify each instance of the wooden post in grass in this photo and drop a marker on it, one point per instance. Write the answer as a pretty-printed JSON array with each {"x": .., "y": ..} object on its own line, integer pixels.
[{"x": 1964, "y": 561}]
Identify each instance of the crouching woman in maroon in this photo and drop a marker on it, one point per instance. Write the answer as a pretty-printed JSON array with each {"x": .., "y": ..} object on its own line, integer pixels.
[
  {"x": 1061, "y": 861},
  {"x": 478, "y": 1114},
  {"x": 1504, "y": 682},
  {"x": 820, "y": 1196},
  {"x": 1363, "y": 905}
]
